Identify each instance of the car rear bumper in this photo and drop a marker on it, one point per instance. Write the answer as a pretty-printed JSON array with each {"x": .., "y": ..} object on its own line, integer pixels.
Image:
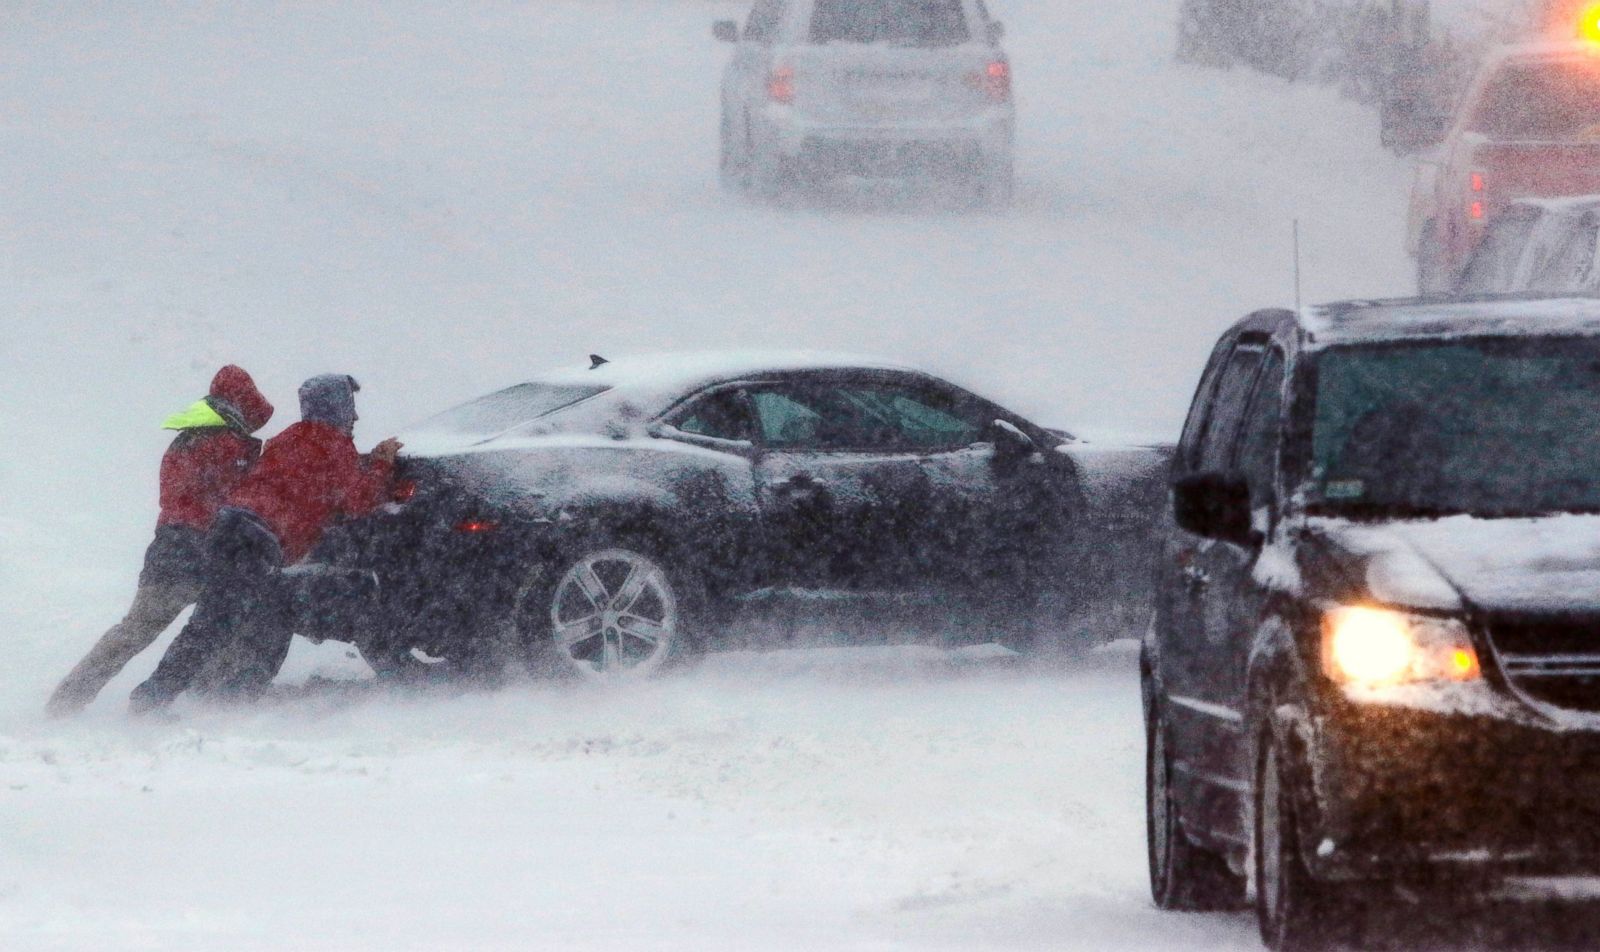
[
  {"x": 795, "y": 136},
  {"x": 1484, "y": 788}
]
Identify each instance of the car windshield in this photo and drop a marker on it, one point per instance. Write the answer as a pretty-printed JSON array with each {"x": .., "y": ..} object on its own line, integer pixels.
[
  {"x": 1551, "y": 102},
  {"x": 926, "y": 23},
  {"x": 1486, "y": 427},
  {"x": 504, "y": 409}
]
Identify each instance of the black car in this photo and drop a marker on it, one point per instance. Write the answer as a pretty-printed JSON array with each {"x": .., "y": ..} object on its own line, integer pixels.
[
  {"x": 608, "y": 519},
  {"x": 1375, "y": 655}
]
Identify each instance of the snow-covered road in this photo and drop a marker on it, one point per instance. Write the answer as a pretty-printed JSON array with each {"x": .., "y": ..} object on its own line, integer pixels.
[{"x": 441, "y": 198}]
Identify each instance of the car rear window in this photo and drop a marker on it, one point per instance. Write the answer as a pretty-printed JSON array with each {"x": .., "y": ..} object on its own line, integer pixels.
[
  {"x": 1542, "y": 102},
  {"x": 511, "y": 407},
  {"x": 924, "y": 23}
]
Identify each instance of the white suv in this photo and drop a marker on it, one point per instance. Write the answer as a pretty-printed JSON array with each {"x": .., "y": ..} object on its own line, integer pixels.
[{"x": 818, "y": 88}]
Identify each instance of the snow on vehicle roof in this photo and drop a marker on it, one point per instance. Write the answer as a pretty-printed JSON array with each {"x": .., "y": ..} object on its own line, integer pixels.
[
  {"x": 1421, "y": 318},
  {"x": 1556, "y": 49},
  {"x": 1566, "y": 204},
  {"x": 683, "y": 371}
]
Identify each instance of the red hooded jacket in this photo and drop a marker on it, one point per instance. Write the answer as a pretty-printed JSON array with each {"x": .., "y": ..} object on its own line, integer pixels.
[
  {"x": 309, "y": 475},
  {"x": 209, "y": 458}
]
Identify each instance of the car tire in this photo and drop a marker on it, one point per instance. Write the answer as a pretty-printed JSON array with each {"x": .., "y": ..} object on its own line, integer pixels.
[
  {"x": 1431, "y": 274},
  {"x": 1296, "y": 912},
  {"x": 771, "y": 176},
  {"x": 610, "y": 608},
  {"x": 733, "y": 169},
  {"x": 1183, "y": 876},
  {"x": 996, "y": 181}
]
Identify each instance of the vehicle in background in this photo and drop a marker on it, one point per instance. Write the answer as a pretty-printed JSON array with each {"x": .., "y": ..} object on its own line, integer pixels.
[
  {"x": 606, "y": 520},
  {"x": 1373, "y": 661},
  {"x": 1536, "y": 244},
  {"x": 1528, "y": 127},
  {"x": 871, "y": 88}
]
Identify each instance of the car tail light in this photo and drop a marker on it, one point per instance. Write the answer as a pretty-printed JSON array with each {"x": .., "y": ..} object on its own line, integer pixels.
[
  {"x": 1476, "y": 209},
  {"x": 476, "y": 526},
  {"x": 780, "y": 85},
  {"x": 995, "y": 80},
  {"x": 404, "y": 490}
]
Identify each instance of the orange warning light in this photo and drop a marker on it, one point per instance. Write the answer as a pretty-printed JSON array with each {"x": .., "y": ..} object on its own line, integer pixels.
[{"x": 1589, "y": 24}]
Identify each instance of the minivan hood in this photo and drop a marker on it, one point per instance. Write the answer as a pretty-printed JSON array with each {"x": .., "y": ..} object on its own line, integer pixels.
[{"x": 1548, "y": 564}]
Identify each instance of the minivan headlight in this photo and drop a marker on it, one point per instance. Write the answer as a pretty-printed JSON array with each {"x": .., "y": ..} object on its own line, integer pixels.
[{"x": 1375, "y": 647}]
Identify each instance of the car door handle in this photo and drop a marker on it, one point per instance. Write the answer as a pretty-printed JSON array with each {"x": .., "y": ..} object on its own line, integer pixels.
[{"x": 798, "y": 483}]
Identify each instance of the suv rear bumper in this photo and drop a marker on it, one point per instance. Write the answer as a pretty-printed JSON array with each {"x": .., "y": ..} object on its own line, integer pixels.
[{"x": 1492, "y": 790}]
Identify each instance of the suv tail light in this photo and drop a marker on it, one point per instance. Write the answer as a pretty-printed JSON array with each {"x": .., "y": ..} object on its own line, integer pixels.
[
  {"x": 780, "y": 85},
  {"x": 1476, "y": 209},
  {"x": 995, "y": 80}
]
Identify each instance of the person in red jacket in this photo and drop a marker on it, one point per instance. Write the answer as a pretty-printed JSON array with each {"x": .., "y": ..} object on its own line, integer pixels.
[
  {"x": 309, "y": 476},
  {"x": 211, "y": 454}
]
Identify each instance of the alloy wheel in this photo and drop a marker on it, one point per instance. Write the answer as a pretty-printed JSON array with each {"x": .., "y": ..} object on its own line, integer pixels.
[{"x": 614, "y": 615}]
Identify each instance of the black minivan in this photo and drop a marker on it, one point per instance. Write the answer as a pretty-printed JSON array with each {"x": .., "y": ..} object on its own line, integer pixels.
[{"x": 1375, "y": 655}]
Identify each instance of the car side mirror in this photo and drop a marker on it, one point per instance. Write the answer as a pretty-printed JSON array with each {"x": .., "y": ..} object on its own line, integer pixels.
[
  {"x": 997, "y": 31},
  {"x": 727, "y": 31},
  {"x": 1010, "y": 443},
  {"x": 1214, "y": 506}
]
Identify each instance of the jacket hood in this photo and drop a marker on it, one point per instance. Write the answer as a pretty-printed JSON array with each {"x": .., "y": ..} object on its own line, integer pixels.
[
  {"x": 234, "y": 396},
  {"x": 1549, "y": 564},
  {"x": 330, "y": 399}
]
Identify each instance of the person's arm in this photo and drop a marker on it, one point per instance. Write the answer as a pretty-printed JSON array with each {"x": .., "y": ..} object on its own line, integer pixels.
[{"x": 368, "y": 479}]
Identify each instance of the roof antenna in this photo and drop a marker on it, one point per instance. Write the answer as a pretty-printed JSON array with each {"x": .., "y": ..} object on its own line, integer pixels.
[
  {"x": 596, "y": 361},
  {"x": 1297, "y": 266}
]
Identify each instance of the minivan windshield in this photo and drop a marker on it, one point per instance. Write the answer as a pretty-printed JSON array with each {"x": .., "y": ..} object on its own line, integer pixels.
[
  {"x": 922, "y": 23},
  {"x": 1489, "y": 427},
  {"x": 1542, "y": 102},
  {"x": 504, "y": 409}
]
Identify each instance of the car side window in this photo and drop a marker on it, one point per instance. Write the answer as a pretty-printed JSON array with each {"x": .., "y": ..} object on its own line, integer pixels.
[
  {"x": 765, "y": 18},
  {"x": 865, "y": 416},
  {"x": 1233, "y": 394},
  {"x": 724, "y": 416},
  {"x": 1258, "y": 444},
  {"x": 1200, "y": 410}
]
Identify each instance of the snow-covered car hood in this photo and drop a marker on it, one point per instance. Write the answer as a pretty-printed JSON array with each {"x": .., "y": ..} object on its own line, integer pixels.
[{"x": 1542, "y": 564}]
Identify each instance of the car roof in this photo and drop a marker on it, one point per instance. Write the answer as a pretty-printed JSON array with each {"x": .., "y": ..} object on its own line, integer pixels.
[
  {"x": 685, "y": 371},
  {"x": 1522, "y": 315}
]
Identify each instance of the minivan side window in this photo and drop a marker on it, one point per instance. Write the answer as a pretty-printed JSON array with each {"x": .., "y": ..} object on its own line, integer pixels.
[
  {"x": 1233, "y": 395},
  {"x": 1258, "y": 445},
  {"x": 765, "y": 18}
]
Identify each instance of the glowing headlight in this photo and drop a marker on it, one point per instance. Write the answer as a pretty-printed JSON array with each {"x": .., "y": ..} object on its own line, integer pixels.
[{"x": 1380, "y": 646}]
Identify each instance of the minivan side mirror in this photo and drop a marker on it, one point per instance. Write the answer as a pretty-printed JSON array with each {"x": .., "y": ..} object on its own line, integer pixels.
[
  {"x": 726, "y": 31},
  {"x": 997, "y": 31},
  {"x": 1214, "y": 506}
]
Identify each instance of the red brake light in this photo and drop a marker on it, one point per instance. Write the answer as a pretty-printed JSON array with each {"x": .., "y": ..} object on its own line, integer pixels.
[
  {"x": 1476, "y": 211},
  {"x": 476, "y": 526},
  {"x": 780, "y": 85},
  {"x": 404, "y": 490},
  {"x": 995, "y": 80},
  {"x": 1477, "y": 181}
]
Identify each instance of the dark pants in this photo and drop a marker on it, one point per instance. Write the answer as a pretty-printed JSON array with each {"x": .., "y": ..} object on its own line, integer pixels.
[
  {"x": 170, "y": 582},
  {"x": 240, "y": 632}
]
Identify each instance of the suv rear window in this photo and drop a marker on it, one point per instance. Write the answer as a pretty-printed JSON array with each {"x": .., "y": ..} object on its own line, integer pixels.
[
  {"x": 925, "y": 23},
  {"x": 511, "y": 407}
]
